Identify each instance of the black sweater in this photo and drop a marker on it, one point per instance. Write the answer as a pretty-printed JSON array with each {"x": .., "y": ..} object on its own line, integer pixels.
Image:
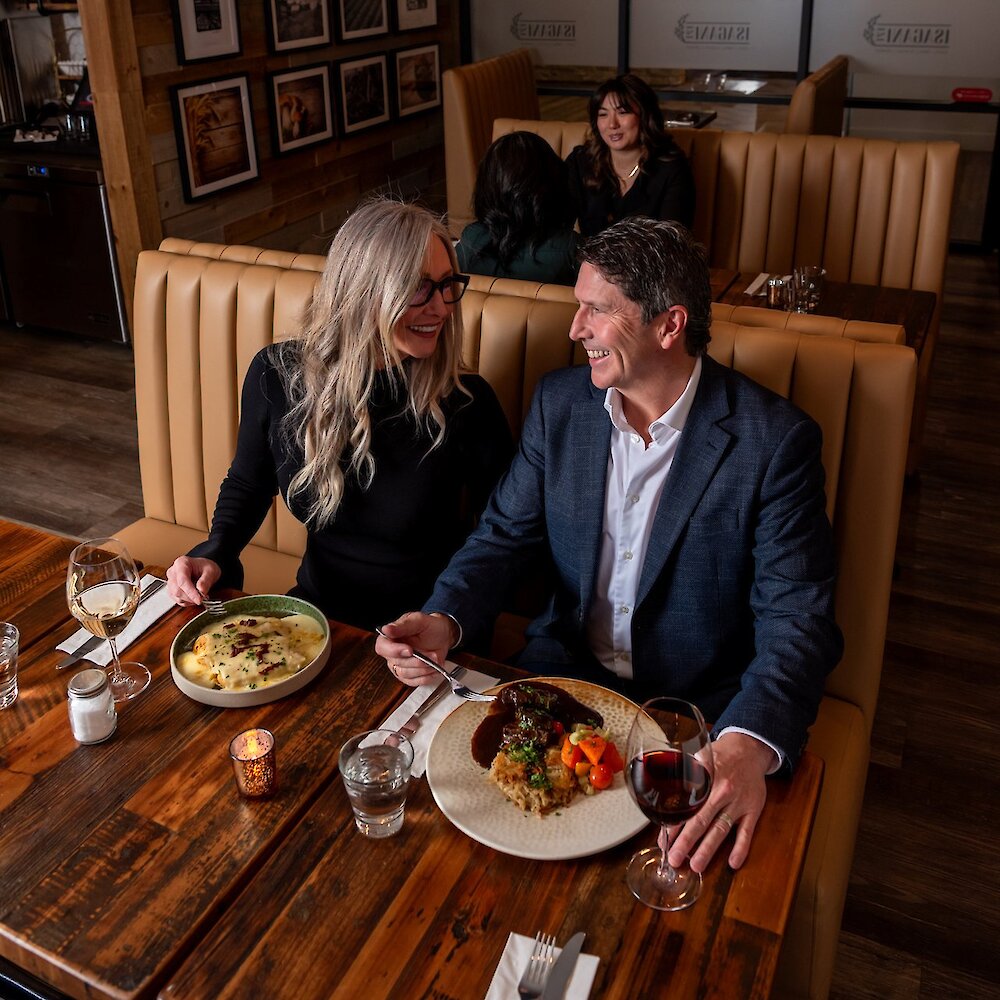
[{"x": 387, "y": 544}]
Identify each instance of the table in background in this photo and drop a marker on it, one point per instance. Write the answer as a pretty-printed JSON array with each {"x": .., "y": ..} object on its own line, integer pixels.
[
  {"x": 133, "y": 869},
  {"x": 910, "y": 308}
]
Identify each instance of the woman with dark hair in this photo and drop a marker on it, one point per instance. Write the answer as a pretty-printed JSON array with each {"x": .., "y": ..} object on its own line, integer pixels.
[
  {"x": 524, "y": 220},
  {"x": 629, "y": 164}
]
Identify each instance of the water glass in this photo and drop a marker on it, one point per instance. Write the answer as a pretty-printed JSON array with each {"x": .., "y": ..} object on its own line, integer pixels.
[
  {"x": 375, "y": 766},
  {"x": 9, "y": 638},
  {"x": 807, "y": 287}
]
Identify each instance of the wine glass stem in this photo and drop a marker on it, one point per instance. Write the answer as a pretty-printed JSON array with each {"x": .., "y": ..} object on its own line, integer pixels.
[
  {"x": 664, "y": 871},
  {"x": 116, "y": 664}
]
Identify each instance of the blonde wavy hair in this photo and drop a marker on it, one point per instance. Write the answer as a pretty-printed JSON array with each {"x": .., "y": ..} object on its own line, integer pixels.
[{"x": 372, "y": 271}]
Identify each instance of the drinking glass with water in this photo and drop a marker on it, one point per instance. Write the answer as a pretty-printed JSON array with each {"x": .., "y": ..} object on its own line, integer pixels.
[{"x": 375, "y": 766}]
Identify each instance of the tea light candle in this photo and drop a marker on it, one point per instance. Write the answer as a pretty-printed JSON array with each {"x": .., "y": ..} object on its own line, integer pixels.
[{"x": 252, "y": 754}]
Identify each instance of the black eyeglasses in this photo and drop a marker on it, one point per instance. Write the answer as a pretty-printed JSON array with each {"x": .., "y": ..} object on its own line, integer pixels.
[{"x": 451, "y": 288}]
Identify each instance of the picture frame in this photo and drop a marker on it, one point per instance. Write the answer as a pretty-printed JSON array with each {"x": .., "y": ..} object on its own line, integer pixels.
[
  {"x": 412, "y": 15},
  {"x": 418, "y": 79},
  {"x": 364, "y": 92},
  {"x": 361, "y": 19},
  {"x": 294, "y": 25},
  {"x": 216, "y": 144},
  {"x": 206, "y": 29},
  {"x": 301, "y": 107}
]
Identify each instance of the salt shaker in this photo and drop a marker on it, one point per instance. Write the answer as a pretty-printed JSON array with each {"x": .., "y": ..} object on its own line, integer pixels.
[{"x": 92, "y": 715}]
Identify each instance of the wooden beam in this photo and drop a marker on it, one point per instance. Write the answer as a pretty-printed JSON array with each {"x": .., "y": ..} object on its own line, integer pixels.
[{"x": 119, "y": 110}]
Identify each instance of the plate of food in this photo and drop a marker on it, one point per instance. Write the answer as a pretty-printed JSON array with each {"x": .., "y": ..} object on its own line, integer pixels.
[
  {"x": 265, "y": 646},
  {"x": 516, "y": 774}
]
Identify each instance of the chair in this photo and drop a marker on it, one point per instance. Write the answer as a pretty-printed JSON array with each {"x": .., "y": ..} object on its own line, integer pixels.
[
  {"x": 817, "y": 105},
  {"x": 473, "y": 96}
]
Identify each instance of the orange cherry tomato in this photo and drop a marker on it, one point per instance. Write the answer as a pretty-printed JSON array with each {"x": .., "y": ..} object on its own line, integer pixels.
[{"x": 601, "y": 776}]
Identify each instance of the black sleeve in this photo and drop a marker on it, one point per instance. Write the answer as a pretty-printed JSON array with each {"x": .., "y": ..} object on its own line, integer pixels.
[
  {"x": 251, "y": 483},
  {"x": 490, "y": 446},
  {"x": 577, "y": 192},
  {"x": 674, "y": 199}
]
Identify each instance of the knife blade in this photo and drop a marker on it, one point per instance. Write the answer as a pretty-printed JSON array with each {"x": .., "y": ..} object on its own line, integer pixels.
[
  {"x": 562, "y": 971},
  {"x": 409, "y": 727},
  {"x": 83, "y": 651}
]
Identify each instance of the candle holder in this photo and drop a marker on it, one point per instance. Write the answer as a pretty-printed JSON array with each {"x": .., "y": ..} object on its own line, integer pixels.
[{"x": 252, "y": 754}]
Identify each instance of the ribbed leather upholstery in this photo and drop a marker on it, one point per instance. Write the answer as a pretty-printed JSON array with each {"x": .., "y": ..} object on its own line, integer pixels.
[
  {"x": 474, "y": 95},
  {"x": 817, "y": 104},
  {"x": 872, "y": 211},
  {"x": 202, "y": 311}
]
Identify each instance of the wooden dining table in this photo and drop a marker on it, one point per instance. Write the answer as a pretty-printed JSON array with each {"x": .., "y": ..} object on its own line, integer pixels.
[{"x": 134, "y": 869}]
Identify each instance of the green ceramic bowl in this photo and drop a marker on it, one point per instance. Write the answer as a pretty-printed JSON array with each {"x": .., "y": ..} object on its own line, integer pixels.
[{"x": 275, "y": 605}]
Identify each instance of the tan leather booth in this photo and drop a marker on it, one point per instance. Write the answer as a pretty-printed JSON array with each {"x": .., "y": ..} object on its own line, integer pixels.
[
  {"x": 203, "y": 310},
  {"x": 473, "y": 96},
  {"x": 817, "y": 104},
  {"x": 871, "y": 211}
]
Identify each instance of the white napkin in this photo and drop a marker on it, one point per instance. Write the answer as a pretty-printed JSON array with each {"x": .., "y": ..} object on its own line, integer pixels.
[
  {"x": 421, "y": 739},
  {"x": 514, "y": 960},
  {"x": 149, "y": 612},
  {"x": 756, "y": 287}
]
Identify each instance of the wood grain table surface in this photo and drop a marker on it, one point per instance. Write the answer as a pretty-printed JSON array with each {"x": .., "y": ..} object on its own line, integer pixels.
[
  {"x": 133, "y": 869},
  {"x": 910, "y": 308}
]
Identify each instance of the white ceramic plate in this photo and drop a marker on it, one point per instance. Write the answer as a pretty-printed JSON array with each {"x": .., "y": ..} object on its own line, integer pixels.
[
  {"x": 588, "y": 825},
  {"x": 278, "y": 605}
]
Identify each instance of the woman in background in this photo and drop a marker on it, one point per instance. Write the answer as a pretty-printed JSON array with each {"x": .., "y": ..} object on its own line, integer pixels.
[
  {"x": 524, "y": 218},
  {"x": 629, "y": 164},
  {"x": 366, "y": 427}
]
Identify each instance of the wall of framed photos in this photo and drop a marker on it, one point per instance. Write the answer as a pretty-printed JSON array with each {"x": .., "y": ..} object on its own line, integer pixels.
[{"x": 264, "y": 121}]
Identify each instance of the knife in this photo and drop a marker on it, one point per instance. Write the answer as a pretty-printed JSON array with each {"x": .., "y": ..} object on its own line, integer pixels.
[
  {"x": 423, "y": 708},
  {"x": 83, "y": 651},
  {"x": 562, "y": 971}
]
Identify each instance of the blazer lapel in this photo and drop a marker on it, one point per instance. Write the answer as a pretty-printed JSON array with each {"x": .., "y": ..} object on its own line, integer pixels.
[
  {"x": 702, "y": 446},
  {"x": 591, "y": 434}
]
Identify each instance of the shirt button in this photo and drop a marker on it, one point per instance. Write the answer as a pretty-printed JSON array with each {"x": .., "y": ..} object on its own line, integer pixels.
[
  {"x": 633, "y": 498},
  {"x": 635, "y": 439},
  {"x": 628, "y": 555},
  {"x": 623, "y": 610}
]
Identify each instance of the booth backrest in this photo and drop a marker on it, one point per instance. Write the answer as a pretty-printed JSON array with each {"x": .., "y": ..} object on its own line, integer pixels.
[
  {"x": 474, "y": 95},
  {"x": 817, "y": 105}
]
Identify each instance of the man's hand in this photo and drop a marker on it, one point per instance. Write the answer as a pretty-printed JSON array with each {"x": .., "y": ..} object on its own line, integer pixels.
[
  {"x": 738, "y": 794},
  {"x": 431, "y": 634}
]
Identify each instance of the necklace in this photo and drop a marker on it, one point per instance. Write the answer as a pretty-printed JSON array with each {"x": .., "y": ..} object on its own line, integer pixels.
[{"x": 630, "y": 174}]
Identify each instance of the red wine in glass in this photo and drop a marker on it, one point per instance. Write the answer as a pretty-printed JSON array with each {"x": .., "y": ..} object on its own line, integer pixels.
[
  {"x": 668, "y": 786},
  {"x": 669, "y": 775}
]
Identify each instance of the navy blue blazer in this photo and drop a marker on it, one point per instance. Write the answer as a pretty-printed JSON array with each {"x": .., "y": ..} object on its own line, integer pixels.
[{"x": 735, "y": 603}]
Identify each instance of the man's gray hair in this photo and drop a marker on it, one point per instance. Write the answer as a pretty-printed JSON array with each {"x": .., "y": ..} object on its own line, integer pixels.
[{"x": 657, "y": 265}]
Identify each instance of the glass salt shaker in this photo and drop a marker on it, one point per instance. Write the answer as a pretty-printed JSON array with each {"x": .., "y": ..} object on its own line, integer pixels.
[{"x": 92, "y": 715}]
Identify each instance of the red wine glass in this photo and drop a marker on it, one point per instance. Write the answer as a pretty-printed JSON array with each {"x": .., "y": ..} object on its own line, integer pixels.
[{"x": 669, "y": 774}]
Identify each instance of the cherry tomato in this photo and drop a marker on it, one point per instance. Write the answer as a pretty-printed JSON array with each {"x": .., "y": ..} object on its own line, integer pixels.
[{"x": 601, "y": 776}]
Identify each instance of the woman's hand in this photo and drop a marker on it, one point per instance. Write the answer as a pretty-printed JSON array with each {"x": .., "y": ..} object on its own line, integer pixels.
[
  {"x": 190, "y": 580},
  {"x": 431, "y": 634}
]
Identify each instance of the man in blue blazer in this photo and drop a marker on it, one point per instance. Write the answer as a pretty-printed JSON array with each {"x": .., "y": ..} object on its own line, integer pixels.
[{"x": 682, "y": 506}]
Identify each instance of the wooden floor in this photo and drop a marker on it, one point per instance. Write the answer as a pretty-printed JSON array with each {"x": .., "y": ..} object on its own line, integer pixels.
[{"x": 923, "y": 913}]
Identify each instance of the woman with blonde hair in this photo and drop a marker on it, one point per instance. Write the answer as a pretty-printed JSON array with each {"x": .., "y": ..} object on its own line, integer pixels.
[{"x": 367, "y": 427}]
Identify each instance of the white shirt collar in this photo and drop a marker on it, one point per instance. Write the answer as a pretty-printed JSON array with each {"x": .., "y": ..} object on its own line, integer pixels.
[{"x": 668, "y": 423}]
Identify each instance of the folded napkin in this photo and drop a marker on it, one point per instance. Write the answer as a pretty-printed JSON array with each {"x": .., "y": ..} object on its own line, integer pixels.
[
  {"x": 757, "y": 286},
  {"x": 514, "y": 960},
  {"x": 421, "y": 739},
  {"x": 150, "y": 611}
]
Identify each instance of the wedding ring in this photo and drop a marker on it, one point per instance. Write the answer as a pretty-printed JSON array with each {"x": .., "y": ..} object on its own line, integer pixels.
[{"x": 725, "y": 821}]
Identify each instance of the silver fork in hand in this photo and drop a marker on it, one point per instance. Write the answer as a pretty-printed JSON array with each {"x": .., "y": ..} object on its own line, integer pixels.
[
  {"x": 217, "y": 608},
  {"x": 536, "y": 972},
  {"x": 450, "y": 676}
]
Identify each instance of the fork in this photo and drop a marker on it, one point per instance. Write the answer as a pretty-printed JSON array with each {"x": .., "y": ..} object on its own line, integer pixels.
[
  {"x": 217, "y": 608},
  {"x": 450, "y": 676},
  {"x": 536, "y": 972}
]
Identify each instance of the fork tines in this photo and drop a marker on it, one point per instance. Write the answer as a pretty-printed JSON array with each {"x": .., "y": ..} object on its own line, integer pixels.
[{"x": 539, "y": 965}]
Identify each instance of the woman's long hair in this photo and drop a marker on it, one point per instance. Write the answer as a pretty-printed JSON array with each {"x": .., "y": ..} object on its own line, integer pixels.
[
  {"x": 520, "y": 194},
  {"x": 372, "y": 271},
  {"x": 631, "y": 92}
]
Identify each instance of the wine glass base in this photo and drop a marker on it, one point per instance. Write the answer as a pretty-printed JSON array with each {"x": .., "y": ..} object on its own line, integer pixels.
[
  {"x": 676, "y": 890},
  {"x": 130, "y": 680}
]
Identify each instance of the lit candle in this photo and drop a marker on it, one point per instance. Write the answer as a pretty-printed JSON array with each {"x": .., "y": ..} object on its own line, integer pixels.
[{"x": 252, "y": 753}]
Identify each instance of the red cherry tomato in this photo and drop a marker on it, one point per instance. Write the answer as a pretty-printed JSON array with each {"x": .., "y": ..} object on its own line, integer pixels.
[{"x": 601, "y": 776}]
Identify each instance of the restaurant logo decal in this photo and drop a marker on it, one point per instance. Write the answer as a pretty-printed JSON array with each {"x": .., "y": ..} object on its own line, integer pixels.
[
  {"x": 907, "y": 35},
  {"x": 533, "y": 30},
  {"x": 712, "y": 32}
]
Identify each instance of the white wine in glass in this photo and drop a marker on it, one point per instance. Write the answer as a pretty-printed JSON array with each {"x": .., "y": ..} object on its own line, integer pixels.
[{"x": 102, "y": 588}]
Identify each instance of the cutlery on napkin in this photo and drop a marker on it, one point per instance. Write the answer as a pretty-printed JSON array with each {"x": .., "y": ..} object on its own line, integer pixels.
[
  {"x": 421, "y": 739},
  {"x": 149, "y": 611},
  {"x": 515, "y": 957},
  {"x": 756, "y": 287}
]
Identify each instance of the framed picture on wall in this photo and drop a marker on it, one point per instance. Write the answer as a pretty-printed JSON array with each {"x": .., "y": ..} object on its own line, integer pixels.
[
  {"x": 297, "y": 24},
  {"x": 362, "y": 19},
  {"x": 206, "y": 29},
  {"x": 364, "y": 92},
  {"x": 412, "y": 15},
  {"x": 215, "y": 140},
  {"x": 301, "y": 109},
  {"x": 418, "y": 79}
]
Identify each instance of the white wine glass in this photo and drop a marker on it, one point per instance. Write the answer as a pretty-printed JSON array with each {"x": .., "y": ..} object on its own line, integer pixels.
[
  {"x": 669, "y": 774},
  {"x": 102, "y": 588}
]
